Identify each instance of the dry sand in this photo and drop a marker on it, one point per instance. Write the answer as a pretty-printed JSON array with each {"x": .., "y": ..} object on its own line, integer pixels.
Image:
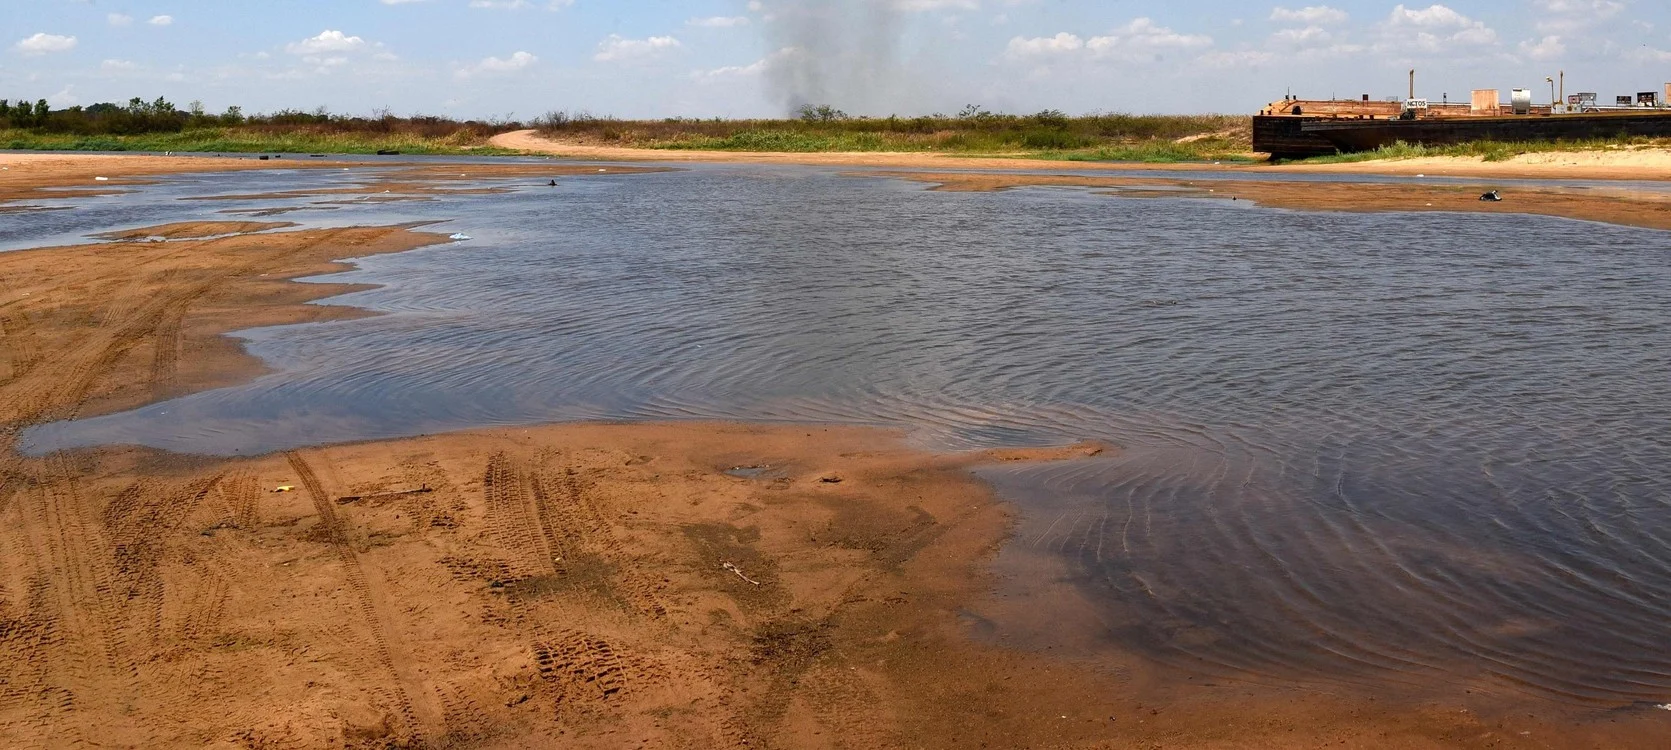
[
  {"x": 1625, "y": 164},
  {"x": 1634, "y": 163},
  {"x": 578, "y": 586}
]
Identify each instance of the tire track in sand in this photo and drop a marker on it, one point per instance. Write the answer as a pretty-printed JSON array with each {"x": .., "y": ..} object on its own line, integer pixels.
[
  {"x": 138, "y": 524},
  {"x": 20, "y": 351},
  {"x": 337, "y": 537},
  {"x": 69, "y": 649},
  {"x": 546, "y": 527},
  {"x": 569, "y": 511},
  {"x": 513, "y": 524},
  {"x": 57, "y": 387},
  {"x": 165, "y": 355}
]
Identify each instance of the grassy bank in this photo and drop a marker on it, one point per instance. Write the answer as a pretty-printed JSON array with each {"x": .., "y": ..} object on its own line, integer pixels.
[
  {"x": 1144, "y": 138},
  {"x": 266, "y": 139},
  {"x": 1491, "y": 151}
]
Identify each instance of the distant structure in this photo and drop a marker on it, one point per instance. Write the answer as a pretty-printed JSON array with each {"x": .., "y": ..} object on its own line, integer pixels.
[{"x": 1296, "y": 128}]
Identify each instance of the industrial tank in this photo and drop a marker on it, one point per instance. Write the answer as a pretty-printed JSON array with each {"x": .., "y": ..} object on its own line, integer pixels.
[{"x": 1521, "y": 101}]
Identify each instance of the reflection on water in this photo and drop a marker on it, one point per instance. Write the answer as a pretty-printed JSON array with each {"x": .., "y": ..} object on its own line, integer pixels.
[{"x": 1361, "y": 447}]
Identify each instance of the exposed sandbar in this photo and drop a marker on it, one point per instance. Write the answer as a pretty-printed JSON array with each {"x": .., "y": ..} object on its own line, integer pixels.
[
  {"x": 1638, "y": 208},
  {"x": 1621, "y": 164}
]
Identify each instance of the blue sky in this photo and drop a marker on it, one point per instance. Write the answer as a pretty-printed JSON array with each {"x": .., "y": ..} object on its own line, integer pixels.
[{"x": 734, "y": 58}]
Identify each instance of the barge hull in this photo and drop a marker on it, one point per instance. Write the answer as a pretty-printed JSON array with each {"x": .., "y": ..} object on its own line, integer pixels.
[{"x": 1367, "y": 135}]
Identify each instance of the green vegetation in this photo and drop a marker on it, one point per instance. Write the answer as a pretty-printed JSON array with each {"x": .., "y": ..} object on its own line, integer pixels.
[
  {"x": 974, "y": 132},
  {"x": 160, "y": 126},
  {"x": 249, "y": 141},
  {"x": 1489, "y": 150}
]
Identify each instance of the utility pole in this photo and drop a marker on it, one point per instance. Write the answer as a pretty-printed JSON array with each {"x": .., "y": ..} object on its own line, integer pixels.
[{"x": 1412, "y": 83}]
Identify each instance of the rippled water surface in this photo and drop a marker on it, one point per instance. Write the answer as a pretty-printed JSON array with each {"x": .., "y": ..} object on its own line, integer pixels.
[{"x": 1360, "y": 447}]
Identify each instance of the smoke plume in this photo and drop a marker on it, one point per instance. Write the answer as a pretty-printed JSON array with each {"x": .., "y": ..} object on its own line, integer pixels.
[{"x": 841, "y": 53}]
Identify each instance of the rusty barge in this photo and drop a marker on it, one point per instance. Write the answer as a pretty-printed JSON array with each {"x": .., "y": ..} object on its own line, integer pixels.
[{"x": 1295, "y": 128}]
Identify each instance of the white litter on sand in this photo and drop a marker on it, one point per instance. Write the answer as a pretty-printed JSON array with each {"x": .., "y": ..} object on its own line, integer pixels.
[
  {"x": 739, "y": 571},
  {"x": 460, "y": 237},
  {"x": 101, "y": 179}
]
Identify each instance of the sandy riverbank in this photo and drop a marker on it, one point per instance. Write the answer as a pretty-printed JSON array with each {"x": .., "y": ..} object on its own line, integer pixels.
[
  {"x": 559, "y": 586},
  {"x": 24, "y": 176},
  {"x": 27, "y": 176},
  {"x": 1611, "y": 205},
  {"x": 1633, "y": 164}
]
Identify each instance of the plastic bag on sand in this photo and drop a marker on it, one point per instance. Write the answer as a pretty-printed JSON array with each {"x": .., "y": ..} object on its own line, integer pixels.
[{"x": 460, "y": 237}]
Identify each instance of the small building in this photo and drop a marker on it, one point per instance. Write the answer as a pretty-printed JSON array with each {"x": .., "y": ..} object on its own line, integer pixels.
[{"x": 1486, "y": 101}]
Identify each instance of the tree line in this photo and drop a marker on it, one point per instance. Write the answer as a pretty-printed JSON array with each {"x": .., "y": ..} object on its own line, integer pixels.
[{"x": 140, "y": 117}]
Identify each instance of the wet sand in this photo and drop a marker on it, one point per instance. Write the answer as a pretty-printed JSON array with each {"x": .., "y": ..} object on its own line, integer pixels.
[
  {"x": 661, "y": 585},
  {"x": 39, "y": 176},
  {"x": 1611, "y": 205},
  {"x": 1624, "y": 164}
]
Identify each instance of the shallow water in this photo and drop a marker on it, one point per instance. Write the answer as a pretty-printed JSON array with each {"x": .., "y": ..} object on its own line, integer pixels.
[{"x": 1365, "y": 448}]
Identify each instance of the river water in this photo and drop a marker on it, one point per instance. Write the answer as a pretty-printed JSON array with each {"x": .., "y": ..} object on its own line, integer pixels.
[{"x": 1358, "y": 447}]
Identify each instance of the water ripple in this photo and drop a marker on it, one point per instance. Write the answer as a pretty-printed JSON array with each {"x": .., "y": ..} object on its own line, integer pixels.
[{"x": 1363, "y": 448}]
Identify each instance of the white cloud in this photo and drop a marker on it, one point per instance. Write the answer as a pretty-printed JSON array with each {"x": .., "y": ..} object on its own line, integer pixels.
[
  {"x": 64, "y": 98},
  {"x": 1310, "y": 36},
  {"x": 1310, "y": 15},
  {"x": 515, "y": 4},
  {"x": 1547, "y": 48},
  {"x": 118, "y": 19},
  {"x": 616, "y": 48},
  {"x": 1062, "y": 43},
  {"x": 41, "y": 44},
  {"x": 718, "y": 22},
  {"x": 328, "y": 41},
  {"x": 1571, "y": 16},
  {"x": 161, "y": 21},
  {"x": 115, "y": 66},
  {"x": 1434, "y": 30},
  {"x": 918, "y": 6},
  {"x": 1602, "y": 8},
  {"x": 1141, "y": 40},
  {"x": 400, "y": 2},
  {"x": 732, "y": 71},
  {"x": 1237, "y": 59},
  {"x": 1431, "y": 17},
  {"x": 744, "y": 71},
  {"x": 1651, "y": 55},
  {"x": 515, "y": 62}
]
